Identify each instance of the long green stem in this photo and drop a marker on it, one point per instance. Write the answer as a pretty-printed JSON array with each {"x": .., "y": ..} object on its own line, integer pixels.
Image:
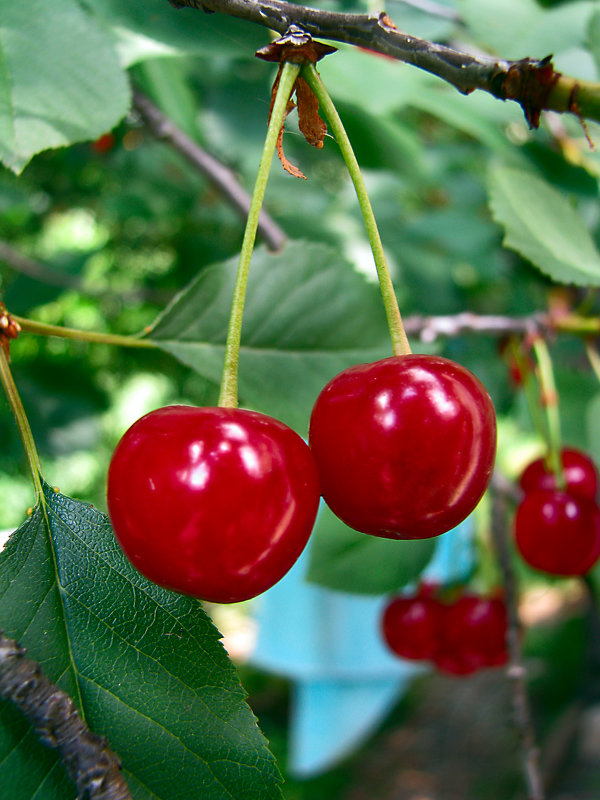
[
  {"x": 229, "y": 382},
  {"x": 41, "y": 328},
  {"x": 550, "y": 403},
  {"x": 400, "y": 342},
  {"x": 22, "y": 424}
]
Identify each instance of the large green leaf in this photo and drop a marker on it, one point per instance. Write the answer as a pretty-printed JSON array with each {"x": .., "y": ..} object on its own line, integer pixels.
[
  {"x": 348, "y": 561},
  {"x": 521, "y": 28},
  {"x": 60, "y": 79},
  {"x": 150, "y": 28},
  {"x": 308, "y": 315},
  {"x": 593, "y": 38},
  {"x": 144, "y": 665},
  {"x": 378, "y": 86},
  {"x": 541, "y": 225}
]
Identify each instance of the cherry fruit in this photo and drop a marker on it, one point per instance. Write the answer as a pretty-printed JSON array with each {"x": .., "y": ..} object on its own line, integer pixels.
[
  {"x": 558, "y": 532},
  {"x": 411, "y": 627},
  {"x": 217, "y": 503},
  {"x": 473, "y": 635},
  {"x": 405, "y": 446},
  {"x": 580, "y": 474}
]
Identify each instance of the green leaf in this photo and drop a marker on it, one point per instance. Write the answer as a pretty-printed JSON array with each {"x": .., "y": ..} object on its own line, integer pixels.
[
  {"x": 522, "y": 28},
  {"x": 379, "y": 87},
  {"x": 308, "y": 315},
  {"x": 151, "y": 28},
  {"x": 60, "y": 79},
  {"x": 541, "y": 225},
  {"x": 143, "y": 664},
  {"x": 343, "y": 559},
  {"x": 593, "y": 38}
]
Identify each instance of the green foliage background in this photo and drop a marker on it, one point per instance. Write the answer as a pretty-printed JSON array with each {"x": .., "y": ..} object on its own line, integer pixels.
[{"x": 132, "y": 240}]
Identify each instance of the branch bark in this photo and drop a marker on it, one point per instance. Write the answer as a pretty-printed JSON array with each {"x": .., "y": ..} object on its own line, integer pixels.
[
  {"x": 39, "y": 271},
  {"x": 220, "y": 175},
  {"x": 516, "y": 671},
  {"x": 92, "y": 766},
  {"x": 530, "y": 82},
  {"x": 431, "y": 328}
]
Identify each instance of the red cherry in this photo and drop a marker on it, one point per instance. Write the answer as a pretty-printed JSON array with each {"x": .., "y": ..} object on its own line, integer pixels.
[
  {"x": 404, "y": 446},
  {"x": 558, "y": 532},
  {"x": 410, "y": 627},
  {"x": 217, "y": 503},
  {"x": 473, "y": 635},
  {"x": 581, "y": 476}
]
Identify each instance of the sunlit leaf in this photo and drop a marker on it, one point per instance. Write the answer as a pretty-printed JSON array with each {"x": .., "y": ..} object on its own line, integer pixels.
[
  {"x": 541, "y": 225},
  {"x": 143, "y": 664},
  {"x": 60, "y": 79}
]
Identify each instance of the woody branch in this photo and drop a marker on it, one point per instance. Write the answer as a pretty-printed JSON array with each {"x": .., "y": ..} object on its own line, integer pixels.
[{"x": 531, "y": 82}]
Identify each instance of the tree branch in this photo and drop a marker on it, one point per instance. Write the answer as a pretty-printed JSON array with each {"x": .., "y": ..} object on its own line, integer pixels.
[
  {"x": 220, "y": 175},
  {"x": 501, "y": 492},
  {"x": 92, "y": 766},
  {"x": 39, "y": 271},
  {"x": 530, "y": 82},
  {"x": 431, "y": 328}
]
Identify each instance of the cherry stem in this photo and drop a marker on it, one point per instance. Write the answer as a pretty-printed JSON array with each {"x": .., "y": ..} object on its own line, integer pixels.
[
  {"x": 228, "y": 397},
  {"x": 400, "y": 344},
  {"x": 44, "y": 329},
  {"x": 549, "y": 397},
  {"x": 16, "y": 405}
]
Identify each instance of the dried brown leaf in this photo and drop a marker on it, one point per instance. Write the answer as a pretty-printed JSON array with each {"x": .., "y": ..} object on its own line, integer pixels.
[{"x": 309, "y": 121}]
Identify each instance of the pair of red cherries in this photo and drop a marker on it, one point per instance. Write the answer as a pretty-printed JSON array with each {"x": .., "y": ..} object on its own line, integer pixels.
[
  {"x": 458, "y": 637},
  {"x": 557, "y": 530},
  {"x": 218, "y": 503}
]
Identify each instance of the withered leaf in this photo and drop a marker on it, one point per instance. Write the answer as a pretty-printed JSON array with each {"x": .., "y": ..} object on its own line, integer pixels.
[
  {"x": 309, "y": 121},
  {"x": 287, "y": 165}
]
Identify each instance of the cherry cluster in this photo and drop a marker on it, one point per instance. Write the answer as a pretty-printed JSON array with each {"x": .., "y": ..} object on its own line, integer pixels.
[
  {"x": 459, "y": 637},
  {"x": 557, "y": 527},
  {"x": 218, "y": 503}
]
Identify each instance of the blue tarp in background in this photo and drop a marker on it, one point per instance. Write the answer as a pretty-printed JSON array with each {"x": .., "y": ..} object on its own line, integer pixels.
[{"x": 328, "y": 644}]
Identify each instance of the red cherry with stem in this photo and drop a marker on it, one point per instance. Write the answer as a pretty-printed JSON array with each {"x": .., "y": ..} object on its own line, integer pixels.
[
  {"x": 473, "y": 635},
  {"x": 580, "y": 474},
  {"x": 558, "y": 532},
  {"x": 217, "y": 503},
  {"x": 405, "y": 446},
  {"x": 410, "y": 627}
]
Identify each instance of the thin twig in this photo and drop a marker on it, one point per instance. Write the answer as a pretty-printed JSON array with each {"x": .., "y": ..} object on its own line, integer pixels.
[
  {"x": 91, "y": 765},
  {"x": 431, "y": 328},
  {"x": 501, "y": 492},
  {"x": 531, "y": 82},
  {"x": 220, "y": 175},
  {"x": 38, "y": 271}
]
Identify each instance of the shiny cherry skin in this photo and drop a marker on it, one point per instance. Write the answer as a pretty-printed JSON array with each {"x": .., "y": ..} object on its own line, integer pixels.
[
  {"x": 580, "y": 474},
  {"x": 473, "y": 635},
  {"x": 405, "y": 446},
  {"x": 410, "y": 627},
  {"x": 217, "y": 503},
  {"x": 558, "y": 532}
]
